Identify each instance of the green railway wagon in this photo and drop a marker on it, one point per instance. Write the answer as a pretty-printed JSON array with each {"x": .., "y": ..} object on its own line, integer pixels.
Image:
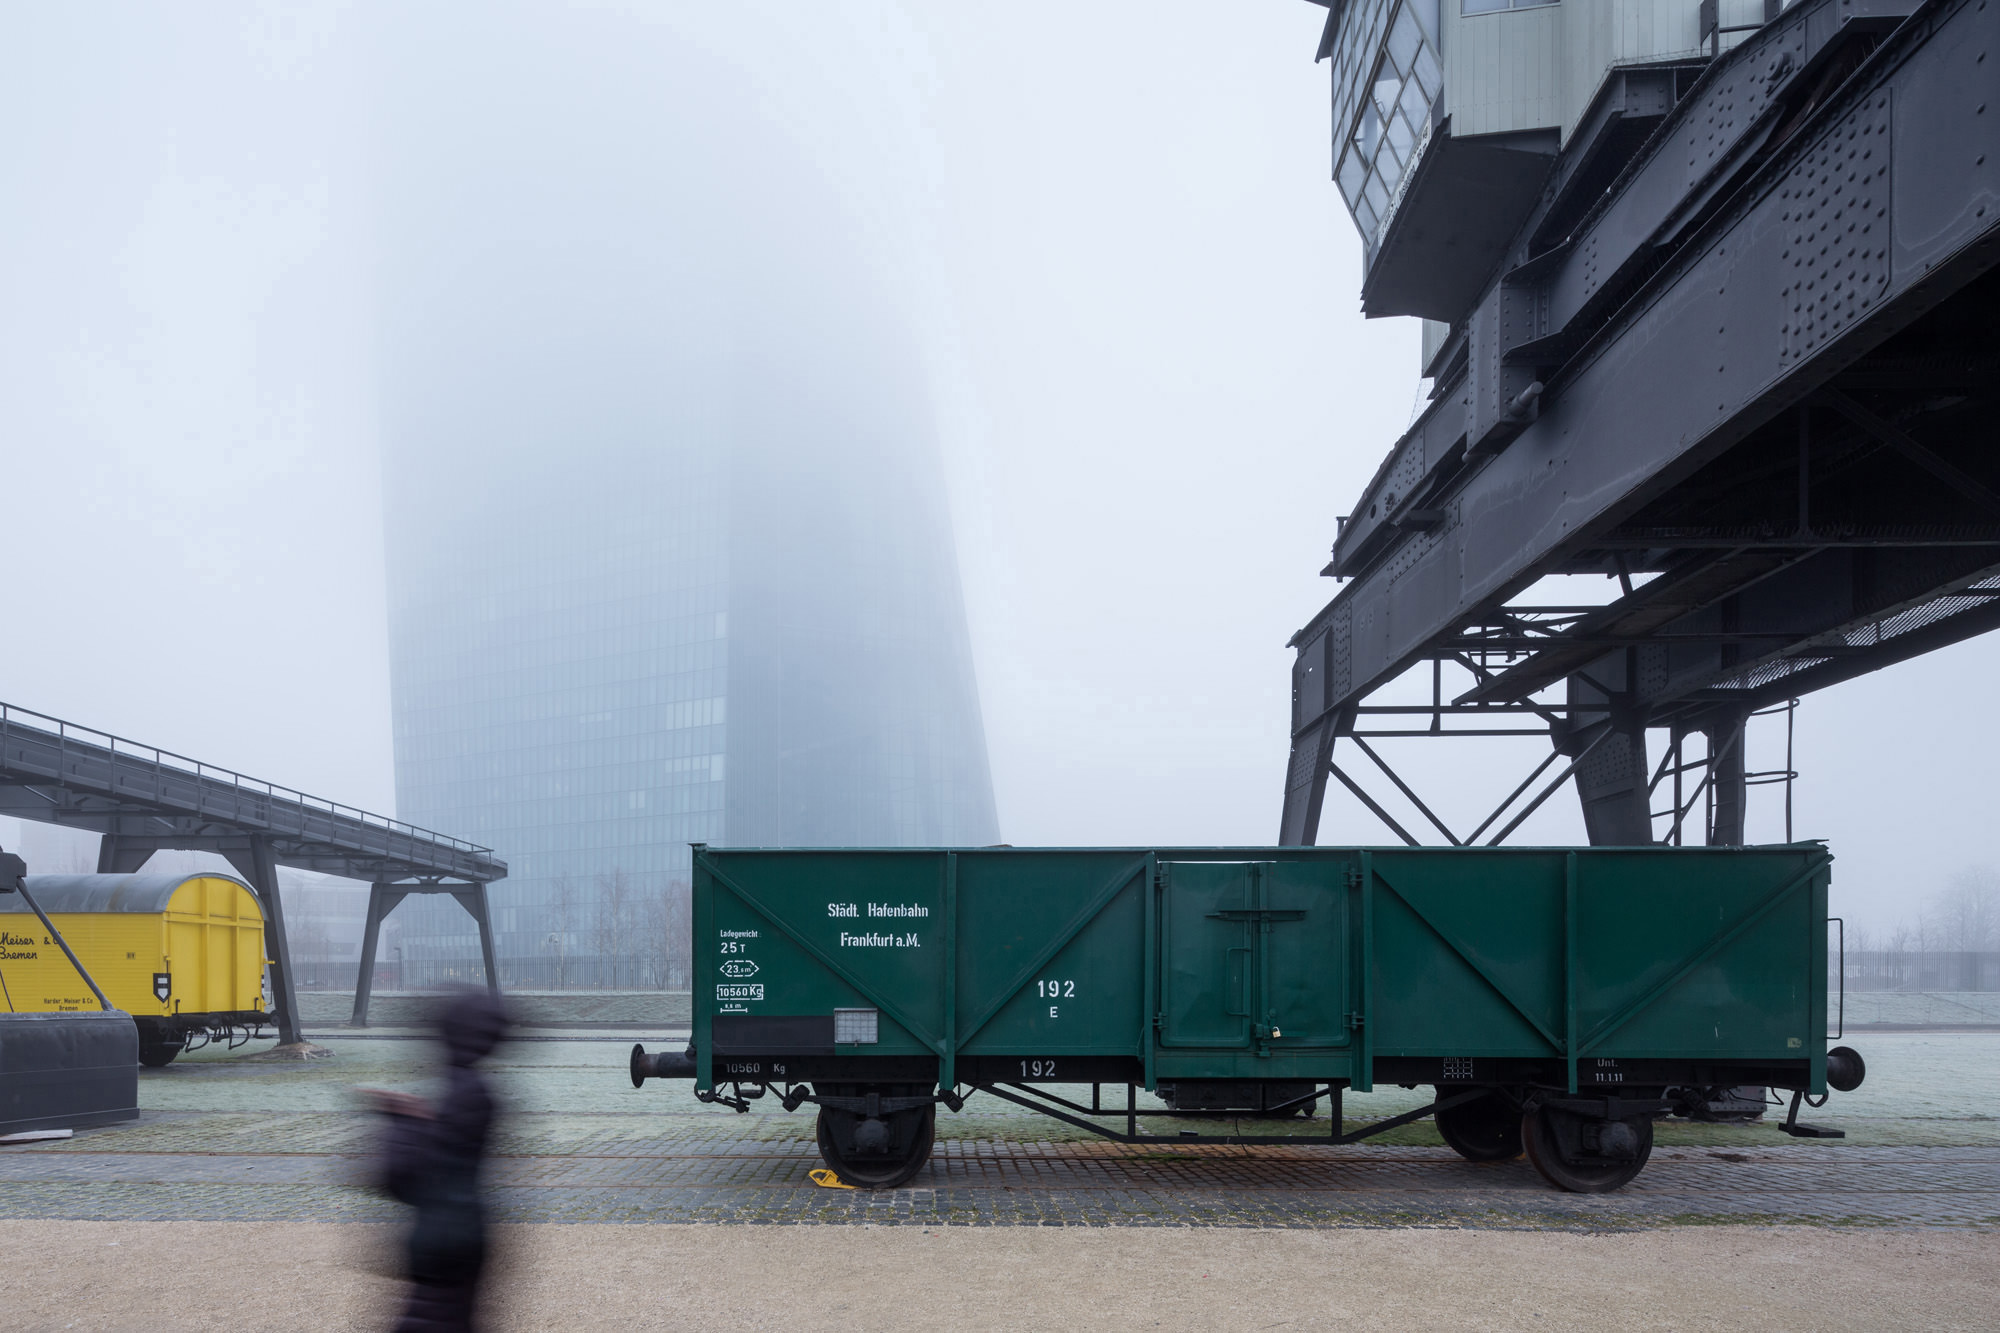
[{"x": 1558, "y": 1001}]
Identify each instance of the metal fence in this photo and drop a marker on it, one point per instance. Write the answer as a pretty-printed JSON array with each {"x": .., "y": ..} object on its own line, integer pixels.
[
  {"x": 1910, "y": 970},
  {"x": 577, "y": 974}
]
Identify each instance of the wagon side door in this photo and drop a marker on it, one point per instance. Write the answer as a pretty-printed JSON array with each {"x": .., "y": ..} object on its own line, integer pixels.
[{"x": 1253, "y": 955}]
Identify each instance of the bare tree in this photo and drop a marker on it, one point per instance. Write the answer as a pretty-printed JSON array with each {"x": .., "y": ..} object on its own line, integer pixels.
[
  {"x": 1965, "y": 914},
  {"x": 613, "y": 925},
  {"x": 306, "y": 927},
  {"x": 679, "y": 933},
  {"x": 659, "y": 940},
  {"x": 566, "y": 911},
  {"x": 650, "y": 939},
  {"x": 1896, "y": 948}
]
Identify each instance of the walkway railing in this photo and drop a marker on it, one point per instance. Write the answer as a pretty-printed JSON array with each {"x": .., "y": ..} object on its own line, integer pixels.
[{"x": 37, "y": 748}]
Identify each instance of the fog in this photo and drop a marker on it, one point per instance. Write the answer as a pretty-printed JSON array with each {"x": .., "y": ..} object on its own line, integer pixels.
[{"x": 1131, "y": 298}]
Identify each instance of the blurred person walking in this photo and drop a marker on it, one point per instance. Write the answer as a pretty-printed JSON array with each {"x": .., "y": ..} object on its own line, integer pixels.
[{"x": 431, "y": 1159}]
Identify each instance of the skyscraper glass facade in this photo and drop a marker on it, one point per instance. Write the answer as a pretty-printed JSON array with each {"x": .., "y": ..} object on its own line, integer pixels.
[{"x": 669, "y": 553}]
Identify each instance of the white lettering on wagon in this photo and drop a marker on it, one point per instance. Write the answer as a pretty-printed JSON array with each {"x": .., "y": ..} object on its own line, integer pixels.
[
  {"x": 875, "y": 939},
  {"x": 739, "y": 991},
  {"x": 898, "y": 909}
]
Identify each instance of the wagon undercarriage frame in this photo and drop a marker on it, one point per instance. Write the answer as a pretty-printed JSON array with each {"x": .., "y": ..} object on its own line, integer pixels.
[{"x": 1044, "y": 1103}]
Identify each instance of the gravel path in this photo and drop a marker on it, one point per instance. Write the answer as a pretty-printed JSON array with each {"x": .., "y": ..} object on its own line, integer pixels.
[{"x": 160, "y": 1276}]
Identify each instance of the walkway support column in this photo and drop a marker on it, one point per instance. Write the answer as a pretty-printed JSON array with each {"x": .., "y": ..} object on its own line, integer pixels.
[
  {"x": 382, "y": 900},
  {"x": 258, "y": 865},
  {"x": 122, "y": 856},
  {"x": 473, "y": 900}
]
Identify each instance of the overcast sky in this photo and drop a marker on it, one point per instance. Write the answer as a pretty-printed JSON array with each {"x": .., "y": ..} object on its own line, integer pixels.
[{"x": 1112, "y": 228}]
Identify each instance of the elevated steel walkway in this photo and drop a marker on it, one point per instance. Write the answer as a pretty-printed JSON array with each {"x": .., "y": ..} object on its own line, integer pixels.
[{"x": 143, "y": 799}]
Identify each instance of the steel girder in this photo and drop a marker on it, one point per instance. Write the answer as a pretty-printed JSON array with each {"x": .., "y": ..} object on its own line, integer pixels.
[
  {"x": 1755, "y": 369},
  {"x": 140, "y": 795}
]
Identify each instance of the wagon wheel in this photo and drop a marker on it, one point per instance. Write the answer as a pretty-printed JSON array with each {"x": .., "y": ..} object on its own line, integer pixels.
[
  {"x": 1486, "y": 1129},
  {"x": 906, "y": 1140},
  {"x": 159, "y": 1054},
  {"x": 1584, "y": 1155}
]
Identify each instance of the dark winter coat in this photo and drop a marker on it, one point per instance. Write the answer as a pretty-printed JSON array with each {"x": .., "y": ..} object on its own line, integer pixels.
[{"x": 433, "y": 1164}]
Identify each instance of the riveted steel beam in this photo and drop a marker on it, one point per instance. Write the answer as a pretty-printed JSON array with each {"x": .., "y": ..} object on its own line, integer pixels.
[{"x": 1825, "y": 198}]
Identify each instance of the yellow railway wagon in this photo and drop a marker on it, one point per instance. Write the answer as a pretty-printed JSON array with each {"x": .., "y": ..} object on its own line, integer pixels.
[{"x": 183, "y": 954}]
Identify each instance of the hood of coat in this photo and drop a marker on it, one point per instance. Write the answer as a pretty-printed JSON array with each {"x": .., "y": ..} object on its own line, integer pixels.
[{"x": 471, "y": 1023}]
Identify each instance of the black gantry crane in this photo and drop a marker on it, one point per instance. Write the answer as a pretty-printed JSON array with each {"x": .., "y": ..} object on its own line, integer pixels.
[{"x": 1721, "y": 330}]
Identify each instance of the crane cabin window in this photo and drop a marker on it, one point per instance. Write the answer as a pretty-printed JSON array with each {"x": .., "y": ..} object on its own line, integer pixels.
[{"x": 1388, "y": 114}]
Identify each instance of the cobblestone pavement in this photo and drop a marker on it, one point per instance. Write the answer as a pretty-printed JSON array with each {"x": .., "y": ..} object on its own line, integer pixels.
[{"x": 224, "y": 1138}]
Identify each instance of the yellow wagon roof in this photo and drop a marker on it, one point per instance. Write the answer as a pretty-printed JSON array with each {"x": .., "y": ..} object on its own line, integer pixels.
[{"x": 108, "y": 893}]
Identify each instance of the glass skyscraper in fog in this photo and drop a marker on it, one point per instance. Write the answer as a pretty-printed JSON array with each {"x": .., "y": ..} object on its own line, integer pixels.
[{"x": 669, "y": 554}]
